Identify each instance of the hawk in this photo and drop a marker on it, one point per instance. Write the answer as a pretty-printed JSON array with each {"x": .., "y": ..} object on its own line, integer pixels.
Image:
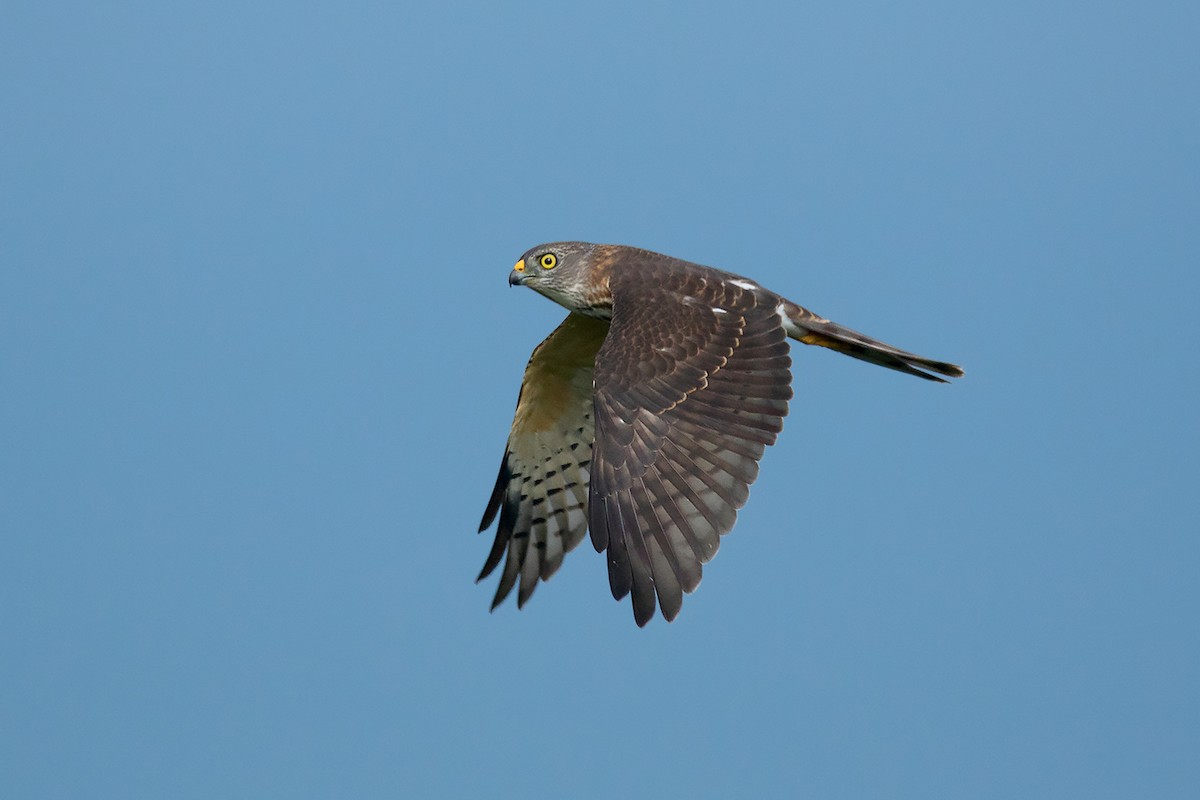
[{"x": 643, "y": 416}]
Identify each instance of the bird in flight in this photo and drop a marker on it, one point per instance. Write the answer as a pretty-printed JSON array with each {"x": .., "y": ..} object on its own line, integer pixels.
[{"x": 643, "y": 416}]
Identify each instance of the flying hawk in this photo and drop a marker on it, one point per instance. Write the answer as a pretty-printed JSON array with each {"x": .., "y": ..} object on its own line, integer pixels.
[{"x": 642, "y": 417}]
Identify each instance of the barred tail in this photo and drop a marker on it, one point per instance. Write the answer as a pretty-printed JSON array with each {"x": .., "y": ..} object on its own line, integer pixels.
[{"x": 805, "y": 326}]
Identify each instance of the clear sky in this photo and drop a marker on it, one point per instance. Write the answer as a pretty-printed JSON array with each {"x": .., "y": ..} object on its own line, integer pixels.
[{"x": 259, "y": 360}]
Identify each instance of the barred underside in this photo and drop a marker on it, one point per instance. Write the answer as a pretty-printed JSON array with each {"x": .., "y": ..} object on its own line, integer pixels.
[{"x": 541, "y": 493}]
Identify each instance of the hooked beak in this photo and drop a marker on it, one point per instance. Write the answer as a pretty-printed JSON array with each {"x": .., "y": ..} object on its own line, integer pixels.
[{"x": 517, "y": 276}]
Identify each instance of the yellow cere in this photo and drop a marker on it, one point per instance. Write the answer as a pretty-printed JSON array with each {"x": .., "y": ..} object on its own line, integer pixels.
[
  {"x": 548, "y": 260},
  {"x": 519, "y": 266}
]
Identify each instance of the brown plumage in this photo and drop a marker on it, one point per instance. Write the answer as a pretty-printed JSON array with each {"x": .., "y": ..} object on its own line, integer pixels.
[{"x": 643, "y": 416}]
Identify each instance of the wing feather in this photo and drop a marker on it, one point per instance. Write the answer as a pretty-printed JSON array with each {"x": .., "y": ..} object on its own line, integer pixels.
[
  {"x": 687, "y": 399},
  {"x": 541, "y": 493}
]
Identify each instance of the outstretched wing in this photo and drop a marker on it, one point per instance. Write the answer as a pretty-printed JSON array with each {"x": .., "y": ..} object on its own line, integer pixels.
[
  {"x": 692, "y": 384},
  {"x": 541, "y": 492}
]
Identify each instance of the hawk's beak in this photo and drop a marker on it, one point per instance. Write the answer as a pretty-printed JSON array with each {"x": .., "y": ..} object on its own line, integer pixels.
[{"x": 517, "y": 276}]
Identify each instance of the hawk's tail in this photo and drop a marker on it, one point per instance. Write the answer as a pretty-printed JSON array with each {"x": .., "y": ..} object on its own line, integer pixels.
[{"x": 805, "y": 326}]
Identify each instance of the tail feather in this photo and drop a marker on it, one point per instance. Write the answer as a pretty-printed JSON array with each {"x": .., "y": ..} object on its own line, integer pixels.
[{"x": 805, "y": 326}]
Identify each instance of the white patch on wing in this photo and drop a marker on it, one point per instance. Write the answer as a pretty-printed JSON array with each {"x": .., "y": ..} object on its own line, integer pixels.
[
  {"x": 719, "y": 310},
  {"x": 749, "y": 286},
  {"x": 789, "y": 327}
]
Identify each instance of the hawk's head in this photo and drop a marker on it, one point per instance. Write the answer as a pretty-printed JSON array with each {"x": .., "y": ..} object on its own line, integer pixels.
[{"x": 566, "y": 273}]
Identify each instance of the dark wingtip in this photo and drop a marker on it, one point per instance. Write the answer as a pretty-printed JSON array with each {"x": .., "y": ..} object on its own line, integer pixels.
[
  {"x": 493, "y": 505},
  {"x": 642, "y": 616},
  {"x": 501, "y": 594},
  {"x": 524, "y": 593},
  {"x": 670, "y": 609}
]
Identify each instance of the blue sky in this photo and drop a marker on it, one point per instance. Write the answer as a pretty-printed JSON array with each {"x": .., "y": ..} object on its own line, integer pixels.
[{"x": 260, "y": 360}]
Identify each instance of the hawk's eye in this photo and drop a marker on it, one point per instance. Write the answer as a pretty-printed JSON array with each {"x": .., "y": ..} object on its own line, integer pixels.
[{"x": 548, "y": 261}]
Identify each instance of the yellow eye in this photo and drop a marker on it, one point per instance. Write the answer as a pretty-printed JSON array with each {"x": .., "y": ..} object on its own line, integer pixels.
[{"x": 548, "y": 261}]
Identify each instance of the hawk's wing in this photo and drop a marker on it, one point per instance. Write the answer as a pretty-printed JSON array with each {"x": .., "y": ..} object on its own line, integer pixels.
[
  {"x": 692, "y": 383},
  {"x": 541, "y": 493}
]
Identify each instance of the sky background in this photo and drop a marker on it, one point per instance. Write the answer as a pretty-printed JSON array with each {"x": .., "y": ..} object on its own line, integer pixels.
[{"x": 259, "y": 360}]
